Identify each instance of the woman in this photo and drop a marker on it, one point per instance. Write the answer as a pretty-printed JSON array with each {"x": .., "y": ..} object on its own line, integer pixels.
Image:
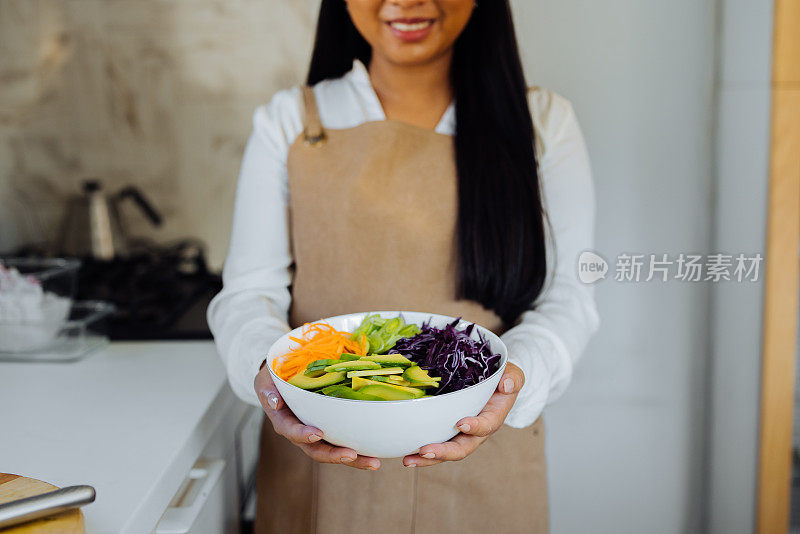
[{"x": 409, "y": 177}]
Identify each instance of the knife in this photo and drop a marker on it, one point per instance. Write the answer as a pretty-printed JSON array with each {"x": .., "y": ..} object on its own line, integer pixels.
[{"x": 45, "y": 504}]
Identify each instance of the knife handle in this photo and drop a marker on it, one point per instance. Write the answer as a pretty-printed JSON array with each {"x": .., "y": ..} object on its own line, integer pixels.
[{"x": 45, "y": 504}]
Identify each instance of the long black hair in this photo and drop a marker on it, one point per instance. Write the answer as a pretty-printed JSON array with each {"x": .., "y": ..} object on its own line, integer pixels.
[{"x": 501, "y": 225}]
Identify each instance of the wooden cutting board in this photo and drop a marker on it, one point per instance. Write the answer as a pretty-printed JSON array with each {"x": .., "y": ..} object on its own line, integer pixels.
[{"x": 13, "y": 487}]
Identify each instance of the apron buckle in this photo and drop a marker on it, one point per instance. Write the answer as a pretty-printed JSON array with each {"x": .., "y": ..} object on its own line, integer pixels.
[{"x": 317, "y": 139}]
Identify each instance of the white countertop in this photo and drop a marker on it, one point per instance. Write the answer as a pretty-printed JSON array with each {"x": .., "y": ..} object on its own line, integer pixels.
[{"x": 129, "y": 420}]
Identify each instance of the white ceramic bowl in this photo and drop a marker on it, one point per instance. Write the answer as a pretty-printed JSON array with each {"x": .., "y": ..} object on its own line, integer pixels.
[{"x": 388, "y": 429}]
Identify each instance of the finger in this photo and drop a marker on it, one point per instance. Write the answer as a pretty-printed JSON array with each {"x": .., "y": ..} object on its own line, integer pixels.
[
  {"x": 266, "y": 391},
  {"x": 365, "y": 462},
  {"x": 434, "y": 454},
  {"x": 330, "y": 454},
  {"x": 286, "y": 424},
  {"x": 482, "y": 425},
  {"x": 307, "y": 437},
  {"x": 415, "y": 460},
  {"x": 512, "y": 381},
  {"x": 456, "y": 449},
  {"x": 491, "y": 418}
]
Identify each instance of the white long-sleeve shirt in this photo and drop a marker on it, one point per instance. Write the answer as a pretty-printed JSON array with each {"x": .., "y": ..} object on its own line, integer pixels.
[{"x": 251, "y": 311}]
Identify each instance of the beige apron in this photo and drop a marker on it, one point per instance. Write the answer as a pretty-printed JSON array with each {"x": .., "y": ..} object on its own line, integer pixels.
[{"x": 373, "y": 221}]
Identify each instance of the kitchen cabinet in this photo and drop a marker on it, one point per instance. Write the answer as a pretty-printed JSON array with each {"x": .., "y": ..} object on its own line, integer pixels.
[
  {"x": 209, "y": 501},
  {"x": 153, "y": 426}
]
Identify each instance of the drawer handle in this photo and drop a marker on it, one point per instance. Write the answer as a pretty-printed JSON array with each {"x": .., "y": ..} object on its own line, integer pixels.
[{"x": 191, "y": 497}]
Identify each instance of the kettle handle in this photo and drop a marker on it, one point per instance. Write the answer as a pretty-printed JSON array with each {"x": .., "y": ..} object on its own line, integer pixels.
[{"x": 147, "y": 208}]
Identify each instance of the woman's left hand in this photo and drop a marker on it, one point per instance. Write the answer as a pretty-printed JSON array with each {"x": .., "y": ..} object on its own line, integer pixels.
[{"x": 474, "y": 430}]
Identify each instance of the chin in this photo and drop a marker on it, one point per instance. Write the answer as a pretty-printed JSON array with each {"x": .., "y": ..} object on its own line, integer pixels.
[{"x": 410, "y": 55}]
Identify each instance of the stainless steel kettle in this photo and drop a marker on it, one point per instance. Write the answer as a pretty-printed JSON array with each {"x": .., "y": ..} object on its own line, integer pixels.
[{"x": 92, "y": 224}]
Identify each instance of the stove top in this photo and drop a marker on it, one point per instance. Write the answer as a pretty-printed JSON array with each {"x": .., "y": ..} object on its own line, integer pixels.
[{"x": 161, "y": 292}]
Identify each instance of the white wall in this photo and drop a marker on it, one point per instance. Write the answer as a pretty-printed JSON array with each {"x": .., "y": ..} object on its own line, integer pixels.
[
  {"x": 625, "y": 444},
  {"x": 741, "y": 189}
]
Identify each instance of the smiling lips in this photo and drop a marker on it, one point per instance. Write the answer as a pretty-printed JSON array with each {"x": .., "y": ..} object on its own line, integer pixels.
[{"x": 410, "y": 30}]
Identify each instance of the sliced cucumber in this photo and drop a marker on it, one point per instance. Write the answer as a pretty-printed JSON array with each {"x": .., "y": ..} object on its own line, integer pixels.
[{"x": 321, "y": 363}]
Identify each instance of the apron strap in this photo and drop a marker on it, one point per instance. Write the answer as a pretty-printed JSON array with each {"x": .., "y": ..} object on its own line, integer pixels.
[{"x": 313, "y": 133}]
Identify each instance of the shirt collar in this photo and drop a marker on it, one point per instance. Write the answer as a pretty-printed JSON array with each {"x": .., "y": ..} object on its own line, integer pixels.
[{"x": 359, "y": 78}]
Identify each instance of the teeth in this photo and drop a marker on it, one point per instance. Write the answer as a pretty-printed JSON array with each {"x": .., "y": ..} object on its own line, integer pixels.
[{"x": 405, "y": 27}]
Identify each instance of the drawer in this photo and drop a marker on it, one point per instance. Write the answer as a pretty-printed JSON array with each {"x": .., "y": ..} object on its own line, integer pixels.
[
  {"x": 199, "y": 505},
  {"x": 247, "y": 448}
]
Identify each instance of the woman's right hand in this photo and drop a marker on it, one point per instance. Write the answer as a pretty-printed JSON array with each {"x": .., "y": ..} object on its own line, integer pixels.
[{"x": 307, "y": 438}]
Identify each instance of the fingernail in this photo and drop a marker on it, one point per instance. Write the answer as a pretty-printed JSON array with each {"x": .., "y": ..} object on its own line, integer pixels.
[
  {"x": 347, "y": 459},
  {"x": 508, "y": 385},
  {"x": 429, "y": 455},
  {"x": 272, "y": 400},
  {"x": 411, "y": 465},
  {"x": 464, "y": 428},
  {"x": 313, "y": 438},
  {"x": 372, "y": 468}
]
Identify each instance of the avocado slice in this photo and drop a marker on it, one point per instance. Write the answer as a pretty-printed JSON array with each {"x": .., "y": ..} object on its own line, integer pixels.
[
  {"x": 400, "y": 381},
  {"x": 359, "y": 382},
  {"x": 346, "y": 357},
  {"x": 306, "y": 382},
  {"x": 394, "y": 360},
  {"x": 373, "y": 372},
  {"x": 390, "y": 392},
  {"x": 354, "y": 365},
  {"x": 417, "y": 374},
  {"x": 366, "y": 382},
  {"x": 344, "y": 392},
  {"x": 408, "y": 389},
  {"x": 397, "y": 380},
  {"x": 314, "y": 372}
]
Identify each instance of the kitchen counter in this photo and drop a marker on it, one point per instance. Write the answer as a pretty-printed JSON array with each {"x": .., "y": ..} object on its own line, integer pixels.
[{"x": 130, "y": 420}]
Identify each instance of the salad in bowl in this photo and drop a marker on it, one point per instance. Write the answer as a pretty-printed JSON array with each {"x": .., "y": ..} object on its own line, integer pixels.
[{"x": 386, "y": 383}]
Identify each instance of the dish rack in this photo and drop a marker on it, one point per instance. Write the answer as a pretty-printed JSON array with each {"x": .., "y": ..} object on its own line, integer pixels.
[{"x": 84, "y": 331}]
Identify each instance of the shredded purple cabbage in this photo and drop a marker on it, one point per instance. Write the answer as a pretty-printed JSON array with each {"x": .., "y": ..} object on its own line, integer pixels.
[{"x": 451, "y": 354}]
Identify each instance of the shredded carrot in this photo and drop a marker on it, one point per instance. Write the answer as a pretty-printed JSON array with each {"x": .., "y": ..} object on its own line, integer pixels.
[{"x": 318, "y": 341}]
